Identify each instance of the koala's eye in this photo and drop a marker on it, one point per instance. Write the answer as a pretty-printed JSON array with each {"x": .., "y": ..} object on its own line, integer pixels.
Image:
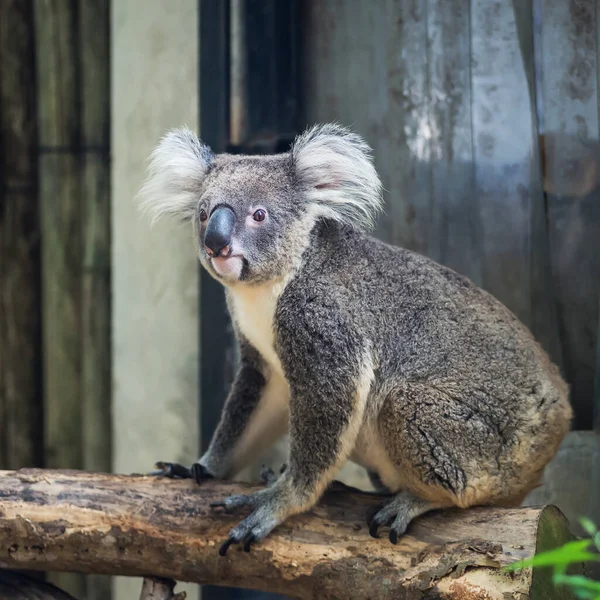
[
  {"x": 203, "y": 215},
  {"x": 260, "y": 215}
]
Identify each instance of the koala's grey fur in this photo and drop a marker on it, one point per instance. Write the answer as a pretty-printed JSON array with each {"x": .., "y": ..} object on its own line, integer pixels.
[{"x": 359, "y": 349}]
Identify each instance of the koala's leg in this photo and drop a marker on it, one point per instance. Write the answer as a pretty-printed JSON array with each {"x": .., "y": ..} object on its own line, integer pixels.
[
  {"x": 377, "y": 483},
  {"x": 255, "y": 415},
  {"x": 327, "y": 408},
  {"x": 398, "y": 514},
  {"x": 247, "y": 429}
]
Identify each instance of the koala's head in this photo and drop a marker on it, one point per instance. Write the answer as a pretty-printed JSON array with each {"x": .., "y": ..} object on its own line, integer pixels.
[{"x": 253, "y": 214}]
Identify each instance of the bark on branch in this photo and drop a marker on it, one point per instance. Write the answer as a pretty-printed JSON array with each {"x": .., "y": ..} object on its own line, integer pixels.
[{"x": 140, "y": 526}]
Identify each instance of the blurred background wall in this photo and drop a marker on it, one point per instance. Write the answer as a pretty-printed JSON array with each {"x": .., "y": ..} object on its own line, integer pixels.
[
  {"x": 116, "y": 350},
  {"x": 154, "y": 87}
]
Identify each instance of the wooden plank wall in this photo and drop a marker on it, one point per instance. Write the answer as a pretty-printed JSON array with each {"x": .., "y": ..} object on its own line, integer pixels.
[
  {"x": 483, "y": 115},
  {"x": 60, "y": 206},
  {"x": 569, "y": 92},
  {"x": 96, "y": 234},
  {"x": 20, "y": 289},
  {"x": 73, "y": 113},
  {"x": 55, "y": 241},
  {"x": 95, "y": 282}
]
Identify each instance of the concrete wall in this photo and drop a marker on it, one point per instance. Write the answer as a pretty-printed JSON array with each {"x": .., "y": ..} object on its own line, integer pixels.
[{"x": 154, "y": 65}]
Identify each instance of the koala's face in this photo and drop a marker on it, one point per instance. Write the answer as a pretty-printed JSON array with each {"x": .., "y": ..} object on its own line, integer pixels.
[
  {"x": 247, "y": 218},
  {"x": 253, "y": 214}
]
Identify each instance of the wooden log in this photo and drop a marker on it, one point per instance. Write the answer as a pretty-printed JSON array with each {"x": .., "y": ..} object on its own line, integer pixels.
[
  {"x": 20, "y": 291},
  {"x": 137, "y": 526},
  {"x": 19, "y": 586},
  {"x": 156, "y": 588}
]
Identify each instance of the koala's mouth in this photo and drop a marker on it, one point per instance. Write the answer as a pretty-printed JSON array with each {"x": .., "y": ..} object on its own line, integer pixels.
[{"x": 229, "y": 267}]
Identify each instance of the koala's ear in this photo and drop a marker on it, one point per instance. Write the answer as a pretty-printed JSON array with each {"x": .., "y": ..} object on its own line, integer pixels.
[
  {"x": 178, "y": 166},
  {"x": 334, "y": 168}
]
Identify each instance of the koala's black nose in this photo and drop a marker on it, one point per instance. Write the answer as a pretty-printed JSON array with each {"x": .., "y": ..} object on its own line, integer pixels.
[{"x": 219, "y": 230}]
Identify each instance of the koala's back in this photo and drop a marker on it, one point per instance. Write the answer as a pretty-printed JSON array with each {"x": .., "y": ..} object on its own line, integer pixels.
[
  {"x": 424, "y": 320},
  {"x": 462, "y": 389}
]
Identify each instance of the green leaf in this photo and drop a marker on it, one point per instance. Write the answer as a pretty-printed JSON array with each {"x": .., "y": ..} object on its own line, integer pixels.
[
  {"x": 560, "y": 569},
  {"x": 571, "y": 552},
  {"x": 589, "y": 526},
  {"x": 584, "y": 595},
  {"x": 578, "y": 582}
]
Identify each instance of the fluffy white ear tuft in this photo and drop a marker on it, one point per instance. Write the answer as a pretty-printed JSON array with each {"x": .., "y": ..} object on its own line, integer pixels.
[
  {"x": 176, "y": 171},
  {"x": 335, "y": 168}
]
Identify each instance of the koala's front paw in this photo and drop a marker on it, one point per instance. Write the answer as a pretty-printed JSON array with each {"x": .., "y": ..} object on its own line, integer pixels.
[
  {"x": 268, "y": 476},
  {"x": 266, "y": 505},
  {"x": 176, "y": 471}
]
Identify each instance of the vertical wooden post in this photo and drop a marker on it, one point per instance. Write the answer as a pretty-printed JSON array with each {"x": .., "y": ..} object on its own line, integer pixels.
[
  {"x": 95, "y": 202},
  {"x": 58, "y": 109},
  {"x": 216, "y": 367},
  {"x": 20, "y": 313},
  {"x": 543, "y": 313},
  {"x": 453, "y": 237},
  {"x": 60, "y": 200},
  {"x": 96, "y": 238}
]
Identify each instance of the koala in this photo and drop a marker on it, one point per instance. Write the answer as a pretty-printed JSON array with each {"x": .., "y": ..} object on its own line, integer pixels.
[{"x": 359, "y": 350}]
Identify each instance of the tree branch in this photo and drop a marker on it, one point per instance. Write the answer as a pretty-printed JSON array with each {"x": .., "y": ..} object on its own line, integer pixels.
[
  {"x": 156, "y": 588},
  {"x": 20, "y": 586},
  {"x": 141, "y": 526}
]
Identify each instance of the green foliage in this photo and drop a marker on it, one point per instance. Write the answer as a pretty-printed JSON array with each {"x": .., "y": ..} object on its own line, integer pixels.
[{"x": 576, "y": 552}]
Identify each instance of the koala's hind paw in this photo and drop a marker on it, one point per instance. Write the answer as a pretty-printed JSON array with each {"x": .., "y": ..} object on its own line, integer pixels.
[
  {"x": 252, "y": 529},
  {"x": 233, "y": 503},
  {"x": 176, "y": 471},
  {"x": 398, "y": 514},
  {"x": 265, "y": 517}
]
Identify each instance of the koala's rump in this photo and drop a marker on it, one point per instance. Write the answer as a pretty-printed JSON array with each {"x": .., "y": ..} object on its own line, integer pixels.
[{"x": 468, "y": 405}]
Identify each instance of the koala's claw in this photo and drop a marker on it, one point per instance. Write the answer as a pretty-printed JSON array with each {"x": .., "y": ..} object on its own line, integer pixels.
[
  {"x": 373, "y": 529},
  {"x": 252, "y": 529},
  {"x": 200, "y": 473},
  {"x": 398, "y": 514},
  {"x": 379, "y": 518},
  {"x": 231, "y": 504},
  {"x": 173, "y": 470},
  {"x": 258, "y": 524},
  {"x": 268, "y": 476},
  {"x": 249, "y": 541},
  {"x": 385, "y": 517},
  {"x": 223, "y": 549}
]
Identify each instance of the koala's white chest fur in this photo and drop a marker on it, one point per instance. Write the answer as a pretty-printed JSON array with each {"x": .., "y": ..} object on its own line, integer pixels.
[{"x": 254, "y": 312}]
